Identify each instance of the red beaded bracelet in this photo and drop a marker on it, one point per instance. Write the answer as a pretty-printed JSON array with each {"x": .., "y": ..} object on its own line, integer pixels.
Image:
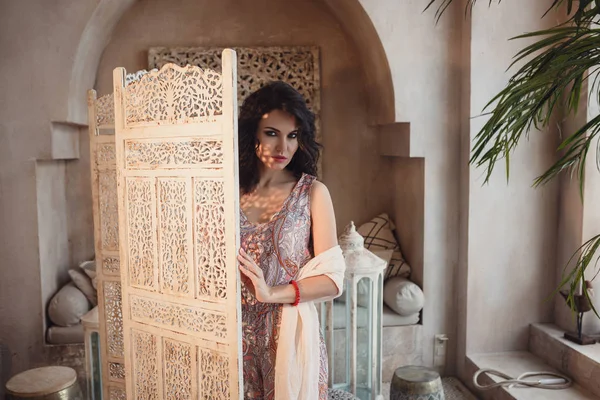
[{"x": 297, "y": 290}]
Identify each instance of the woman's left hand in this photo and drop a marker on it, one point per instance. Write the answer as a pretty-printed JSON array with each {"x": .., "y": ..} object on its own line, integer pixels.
[{"x": 253, "y": 278}]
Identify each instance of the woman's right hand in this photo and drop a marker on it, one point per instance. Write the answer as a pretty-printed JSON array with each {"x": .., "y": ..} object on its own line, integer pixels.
[{"x": 253, "y": 278}]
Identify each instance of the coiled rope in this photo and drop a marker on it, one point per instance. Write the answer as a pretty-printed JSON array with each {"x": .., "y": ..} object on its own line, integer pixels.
[{"x": 558, "y": 381}]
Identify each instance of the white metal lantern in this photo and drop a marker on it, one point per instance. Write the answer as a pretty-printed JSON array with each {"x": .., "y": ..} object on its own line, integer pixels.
[{"x": 354, "y": 338}]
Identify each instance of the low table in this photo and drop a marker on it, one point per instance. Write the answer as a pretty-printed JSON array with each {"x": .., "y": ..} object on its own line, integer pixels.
[
  {"x": 46, "y": 383},
  {"x": 416, "y": 383}
]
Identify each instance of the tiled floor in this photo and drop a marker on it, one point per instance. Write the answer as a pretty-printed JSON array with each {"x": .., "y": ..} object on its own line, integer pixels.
[{"x": 453, "y": 390}]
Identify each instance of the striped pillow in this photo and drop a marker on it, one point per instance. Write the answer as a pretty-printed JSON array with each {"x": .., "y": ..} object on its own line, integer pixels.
[{"x": 379, "y": 235}]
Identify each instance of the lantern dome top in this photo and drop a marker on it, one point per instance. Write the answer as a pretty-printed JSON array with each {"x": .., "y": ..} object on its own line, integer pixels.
[
  {"x": 358, "y": 259},
  {"x": 350, "y": 239}
]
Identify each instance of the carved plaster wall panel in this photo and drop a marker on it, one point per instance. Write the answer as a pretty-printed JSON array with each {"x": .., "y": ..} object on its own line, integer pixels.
[
  {"x": 297, "y": 65},
  {"x": 177, "y": 198}
]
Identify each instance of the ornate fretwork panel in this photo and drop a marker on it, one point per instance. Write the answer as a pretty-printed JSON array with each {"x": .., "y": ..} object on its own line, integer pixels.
[
  {"x": 116, "y": 393},
  {"x": 144, "y": 154},
  {"x": 178, "y": 358},
  {"x": 174, "y": 233},
  {"x": 141, "y": 232},
  {"x": 116, "y": 371},
  {"x": 203, "y": 323},
  {"x": 106, "y": 233},
  {"x": 144, "y": 353},
  {"x": 214, "y": 375},
  {"x": 104, "y": 107},
  {"x": 114, "y": 318},
  {"x": 178, "y": 213},
  {"x": 109, "y": 218},
  {"x": 174, "y": 94},
  {"x": 106, "y": 156},
  {"x": 105, "y": 111},
  {"x": 209, "y": 200},
  {"x": 110, "y": 265}
]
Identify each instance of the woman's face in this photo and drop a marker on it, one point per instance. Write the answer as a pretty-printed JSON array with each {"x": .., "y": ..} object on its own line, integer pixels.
[{"x": 277, "y": 139}]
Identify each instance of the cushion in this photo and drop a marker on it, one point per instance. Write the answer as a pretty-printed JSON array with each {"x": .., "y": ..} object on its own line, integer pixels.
[
  {"x": 65, "y": 334},
  {"x": 84, "y": 283},
  {"x": 385, "y": 255},
  {"x": 379, "y": 235},
  {"x": 89, "y": 267},
  {"x": 388, "y": 317},
  {"x": 67, "y": 306},
  {"x": 403, "y": 296}
]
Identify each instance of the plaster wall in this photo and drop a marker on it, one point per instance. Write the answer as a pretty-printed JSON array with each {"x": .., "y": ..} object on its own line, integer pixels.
[
  {"x": 355, "y": 174},
  {"x": 78, "y": 197},
  {"x": 511, "y": 226},
  {"x": 52, "y": 219},
  {"x": 38, "y": 40},
  {"x": 424, "y": 60}
]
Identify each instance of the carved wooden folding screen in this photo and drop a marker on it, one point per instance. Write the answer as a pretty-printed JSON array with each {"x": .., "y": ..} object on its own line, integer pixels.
[
  {"x": 176, "y": 132},
  {"x": 103, "y": 160},
  {"x": 106, "y": 238}
]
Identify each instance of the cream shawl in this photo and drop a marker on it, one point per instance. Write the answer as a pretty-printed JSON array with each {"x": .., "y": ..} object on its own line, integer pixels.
[{"x": 297, "y": 360}]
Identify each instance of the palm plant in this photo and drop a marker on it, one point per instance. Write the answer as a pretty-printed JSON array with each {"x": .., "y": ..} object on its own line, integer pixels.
[{"x": 561, "y": 62}]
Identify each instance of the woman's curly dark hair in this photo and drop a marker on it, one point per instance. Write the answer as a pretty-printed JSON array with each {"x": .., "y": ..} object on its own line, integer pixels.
[{"x": 275, "y": 95}]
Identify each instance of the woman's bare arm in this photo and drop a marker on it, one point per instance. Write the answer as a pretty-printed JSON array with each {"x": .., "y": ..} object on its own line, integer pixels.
[{"x": 324, "y": 237}]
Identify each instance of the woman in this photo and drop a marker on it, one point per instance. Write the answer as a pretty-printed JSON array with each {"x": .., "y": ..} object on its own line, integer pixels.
[{"x": 287, "y": 221}]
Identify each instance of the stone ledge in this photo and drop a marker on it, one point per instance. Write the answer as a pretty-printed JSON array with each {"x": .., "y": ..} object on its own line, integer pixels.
[
  {"x": 515, "y": 363},
  {"x": 582, "y": 363}
]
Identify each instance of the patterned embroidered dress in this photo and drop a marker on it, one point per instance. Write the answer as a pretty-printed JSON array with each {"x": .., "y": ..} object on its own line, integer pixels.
[{"x": 280, "y": 247}]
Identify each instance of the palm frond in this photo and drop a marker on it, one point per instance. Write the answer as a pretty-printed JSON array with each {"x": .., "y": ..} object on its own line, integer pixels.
[
  {"x": 535, "y": 92},
  {"x": 444, "y": 4},
  {"x": 587, "y": 256},
  {"x": 579, "y": 12},
  {"x": 575, "y": 151}
]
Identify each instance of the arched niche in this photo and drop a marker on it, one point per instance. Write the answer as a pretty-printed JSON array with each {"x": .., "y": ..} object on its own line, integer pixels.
[
  {"x": 365, "y": 177},
  {"x": 349, "y": 14},
  {"x": 366, "y": 160},
  {"x": 356, "y": 85}
]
